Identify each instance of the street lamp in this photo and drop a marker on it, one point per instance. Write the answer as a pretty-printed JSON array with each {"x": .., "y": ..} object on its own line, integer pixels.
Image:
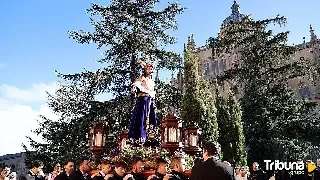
[
  {"x": 192, "y": 141},
  {"x": 171, "y": 137},
  {"x": 97, "y": 140}
]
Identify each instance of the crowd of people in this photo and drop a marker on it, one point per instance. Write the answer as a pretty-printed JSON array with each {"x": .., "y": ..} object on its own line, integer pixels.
[{"x": 210, "y": 168}]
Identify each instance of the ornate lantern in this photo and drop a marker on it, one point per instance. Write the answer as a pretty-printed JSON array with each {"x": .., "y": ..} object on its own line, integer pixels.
[
  {"x": 192, "y": 143},
  {"x": 122, "y": 138},
  {"x": 171, "y": 137},
  {"x": 97, "y": 140}
]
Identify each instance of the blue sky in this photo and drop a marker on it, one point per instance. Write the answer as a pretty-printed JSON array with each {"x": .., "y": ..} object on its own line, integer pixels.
[{"x": 35, "y": 41}]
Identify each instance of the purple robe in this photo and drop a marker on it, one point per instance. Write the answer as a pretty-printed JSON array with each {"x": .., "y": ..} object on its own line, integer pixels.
[{"x": 144, "y": 108}]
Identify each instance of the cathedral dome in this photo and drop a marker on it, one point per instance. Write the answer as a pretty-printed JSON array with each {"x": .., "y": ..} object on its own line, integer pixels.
[{"x": 235, "y": 15}]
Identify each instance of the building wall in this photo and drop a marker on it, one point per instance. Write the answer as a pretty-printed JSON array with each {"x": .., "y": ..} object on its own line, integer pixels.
[
  {"x": 210, "y": 68},
  {"x": 303, "y": 84},
  {"x": 304, "y": 87},
  {"x": 15, "y": 162}
]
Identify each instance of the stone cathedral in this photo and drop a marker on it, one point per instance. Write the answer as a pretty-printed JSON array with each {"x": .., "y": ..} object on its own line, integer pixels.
[{"x": 210, "y": 67}]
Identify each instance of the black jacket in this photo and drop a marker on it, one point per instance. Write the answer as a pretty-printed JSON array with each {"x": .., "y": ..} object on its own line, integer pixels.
[
  {"x": 62, "y": 176},
  {"x": 317, "y": 174},
  {"x": 77, "y": 175},
  {"x": 137, "y": 176},
  {"x": 158, "y": 176},
  {"x": 116, "y": 177},
  {"x": 178, "y": 176},
  {"x": 212, "y": 169}
]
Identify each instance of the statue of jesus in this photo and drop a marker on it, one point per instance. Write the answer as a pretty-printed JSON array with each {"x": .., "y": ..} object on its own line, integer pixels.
[{"x": 143, "y": 120}]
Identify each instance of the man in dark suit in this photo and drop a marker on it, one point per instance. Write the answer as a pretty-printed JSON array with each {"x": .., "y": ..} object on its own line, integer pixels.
[
  {"x": 316, "y": 172},
  {"x": 136, "y": 172},
  {"x": 68, "y": 169},
  {"x": 178, "y": 165},
  {"x": 106, "y": 170},
  {"x": 119, "y": 171},
  {"x": 212, "y": 168},
  {"x": 82, "y": 172},
  {"x": 162, "y": 169}
]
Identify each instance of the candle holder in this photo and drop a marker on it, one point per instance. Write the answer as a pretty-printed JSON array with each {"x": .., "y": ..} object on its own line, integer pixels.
[
  {"x": 122, "y": 138},
  {"x": 171, "y": 127},
  {"x": 97, "y": 140},
  {"x": 192, "y": 143}
]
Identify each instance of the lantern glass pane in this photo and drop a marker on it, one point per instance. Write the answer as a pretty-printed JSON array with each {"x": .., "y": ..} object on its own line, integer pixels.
[
  {"x": 193, "y": 140},
  {"x": 91, "y": 139},
  {"x": 186, "y": 142},
  {"x": 178, "y": 135},
  {"x": 98, "y": 139},
  {"x": 197, "y": 141},
  {"x": 172, "y": 135},
  {"x": 165, "y": 135}
]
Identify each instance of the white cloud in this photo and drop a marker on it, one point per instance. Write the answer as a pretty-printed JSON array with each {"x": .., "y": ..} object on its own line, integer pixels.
[
  {"x": 17, "y": 119},
  {"x": 36, "y": 93}
]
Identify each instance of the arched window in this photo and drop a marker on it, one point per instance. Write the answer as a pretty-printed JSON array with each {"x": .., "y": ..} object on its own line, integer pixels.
[
  {"x": 215, "y": 67},
  {"x": 304, "y": 92},
  {"x": 224, "y": 64}
]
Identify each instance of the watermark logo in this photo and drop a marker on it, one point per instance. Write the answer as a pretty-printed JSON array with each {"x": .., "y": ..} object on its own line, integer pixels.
[
  {"x": 294, "y": 168},
  {"x": 311, "y": 167}
]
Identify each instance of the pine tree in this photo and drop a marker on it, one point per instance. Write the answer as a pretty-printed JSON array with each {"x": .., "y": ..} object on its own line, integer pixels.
[
  {"x": 198, "y": 108},
  {"x": 275, "y": 123},
  {"x": 127, "y": 30},
  {"x": 236, "y": 132},
  {"x": 208, "y": 122},
  {"x": 231, "y": 135},
  {"x": 191, "y": 103},
  {"x": 223, "y": 126},
  {"x": 67, "y": 137}
]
